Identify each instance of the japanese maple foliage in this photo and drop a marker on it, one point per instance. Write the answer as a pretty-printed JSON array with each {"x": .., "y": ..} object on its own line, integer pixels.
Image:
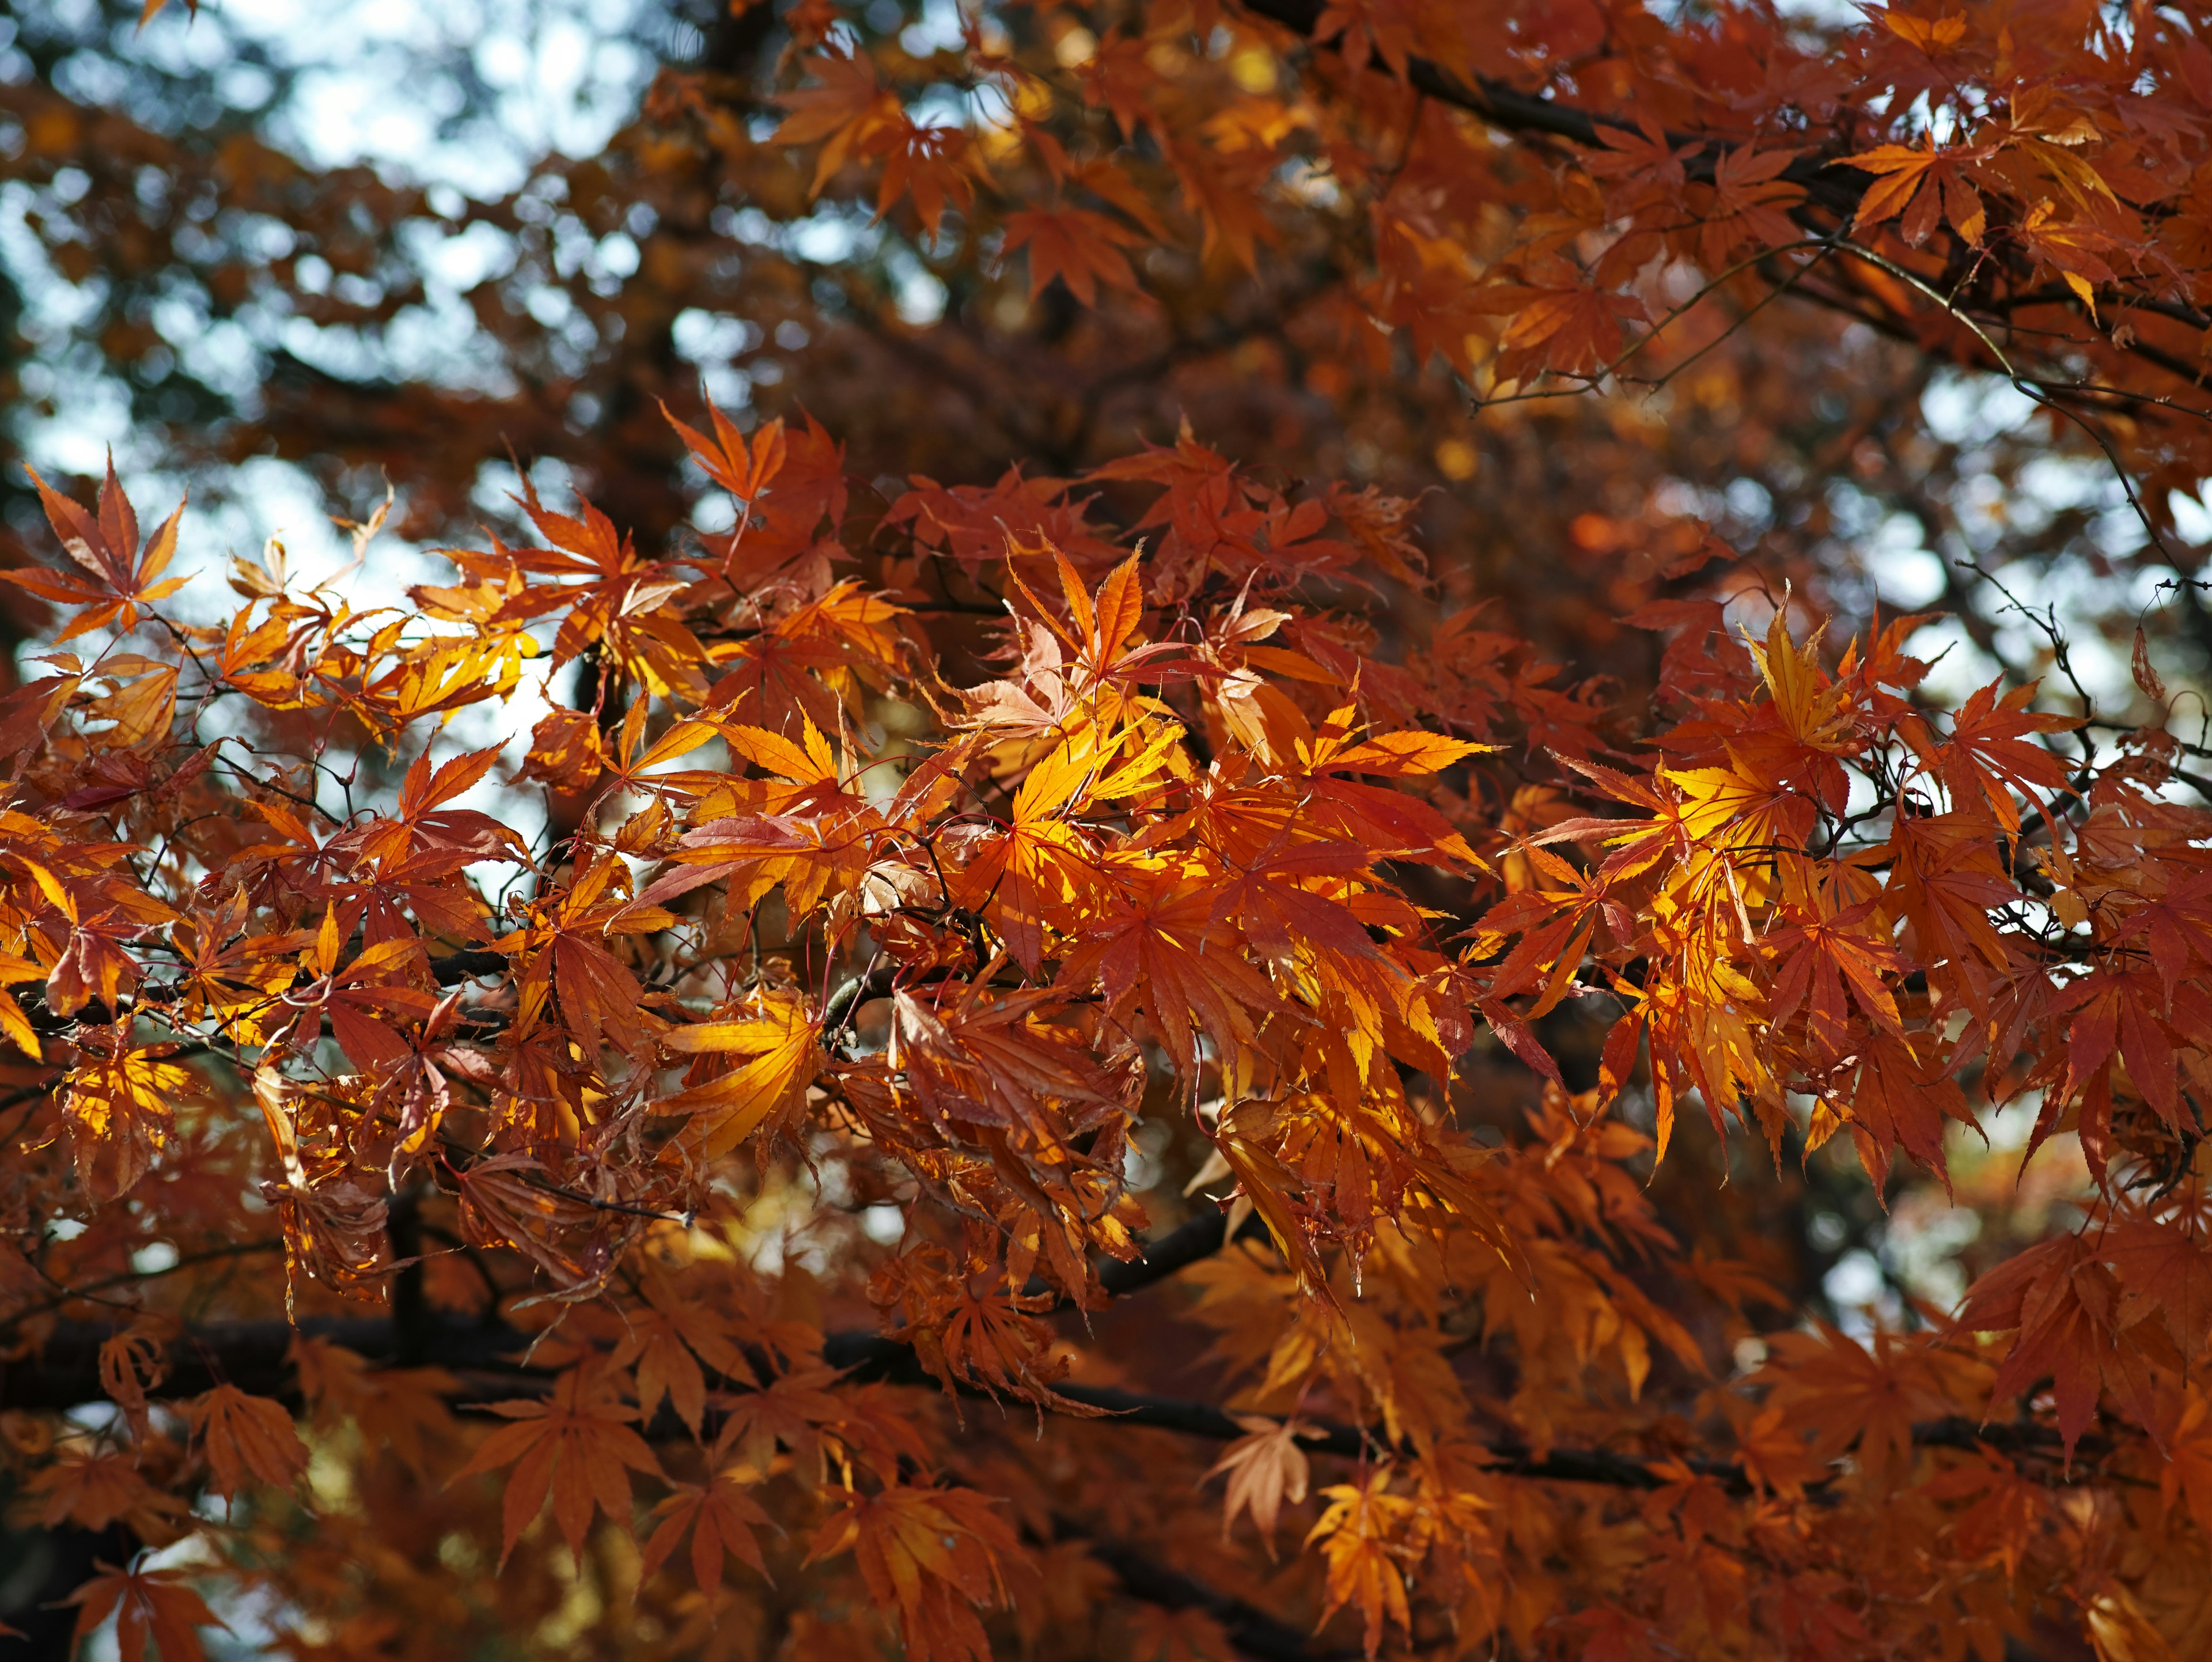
[{"x": 796, "y": 1090}]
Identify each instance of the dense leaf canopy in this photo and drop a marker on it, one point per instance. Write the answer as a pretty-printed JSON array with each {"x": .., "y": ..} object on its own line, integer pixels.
[{"x": 1166, "y": 830}]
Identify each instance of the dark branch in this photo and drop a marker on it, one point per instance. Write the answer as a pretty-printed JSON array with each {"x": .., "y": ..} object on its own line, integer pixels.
[
  {"x": 468, "y": 965},
  {"x": 254, "y": 1357},
  {"x": 1833, "y": 191},
  {"x": 1251, "y": 1629},
  {"x": 1510, "y": 110}
]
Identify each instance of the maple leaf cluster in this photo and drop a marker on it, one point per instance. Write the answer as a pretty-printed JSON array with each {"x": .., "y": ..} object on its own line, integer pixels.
[
  {"x": 1157, "y": 863},
  {"x": 789, "y": 1075}
]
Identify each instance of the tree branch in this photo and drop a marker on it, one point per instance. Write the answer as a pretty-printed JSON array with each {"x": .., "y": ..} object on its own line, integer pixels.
[
  {"x": 1833, "y": 190},
  {"x": 1510, "y": 110},
  {"x": 253, "y": 1356},
  {"x": 1251, "y": 1629}
]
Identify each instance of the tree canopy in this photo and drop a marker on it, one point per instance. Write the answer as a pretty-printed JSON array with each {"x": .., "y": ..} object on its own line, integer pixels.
[{"x": 1166, "y": 830}]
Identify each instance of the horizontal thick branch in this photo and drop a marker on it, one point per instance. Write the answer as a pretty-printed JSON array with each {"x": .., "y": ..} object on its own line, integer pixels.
[
  {"x": 1251, "y": 1629},
  {"x": 456, "y": 967},
  {"x": 488, "y": 1361},
  {"x": 65, "y": 1373}
]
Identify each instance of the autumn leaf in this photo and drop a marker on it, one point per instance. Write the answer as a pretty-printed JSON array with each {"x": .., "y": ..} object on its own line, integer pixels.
[
  {"x": 1931, "y": 36},
  {"x": 845, "y": 109},
  {"x": 1360, "y": 1534},
  {"x": 1918, "y": 185},
  {"x": 792, "y": 1409},
  {"x": 93, "y": 1491},
  {"x": 1075, "y": 245},
  {"x": 241, "y": 1436},
  {"x": 125, "y": 578},
  {"x": 721, "y": 1518},
  {"x": 778, "y": 1039},
  {"x": 1990, "y": 756},
  {"x": 1028, "y": 874},
  {"x": 148, "y": 1605},
  {"x": 1265, "y": 1468},
  {"x": 120, "y": 1105},
  {"x": 928, "y": 1556},
  {"x": 2060, "y": 1300},
  {"x": 2163, "y": 1269},
  {"x": 403, "y": 1409},
  {"x": 669, "y": 1340},
  {"x": 742, "y": 469},
  {"x": 424, "y": 823},
  {"x": 577, "y": 1446},
  {"x": 1002, "y": 1064},
  {"x": 1151, "y": 948},
  {"x": 1818, "y": 959},
  {"x": 2187, "y": 1469},
  {"x": 1579, "y": 328},
  {"x": 934, "y": 163}
]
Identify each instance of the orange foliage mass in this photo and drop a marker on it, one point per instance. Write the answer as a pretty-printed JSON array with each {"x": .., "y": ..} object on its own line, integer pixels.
[{"x": 758, "y": 1157}]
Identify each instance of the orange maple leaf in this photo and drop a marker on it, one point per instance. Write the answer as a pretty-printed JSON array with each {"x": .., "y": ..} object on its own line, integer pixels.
[
  {"x": 721, "y": 1518},
  {"x": 1081, "y": 248},
  {"x": 929, "y": 1556},
  {"x": 779, "y": 1040},
  {"x": 126, "y": 579},
  {"x": 152, "y": 1604},
  {"x": 241, "y": 1435},
  {"x": 575, "y": 1445},
  {"x": 1916, "y": 186},
  {"x": 1264, "y": 1469},
  {"x": 1360, "y": 1536},
  {"x": 2061, "y": 1299},
  {"x": 847, "y": 107}
]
